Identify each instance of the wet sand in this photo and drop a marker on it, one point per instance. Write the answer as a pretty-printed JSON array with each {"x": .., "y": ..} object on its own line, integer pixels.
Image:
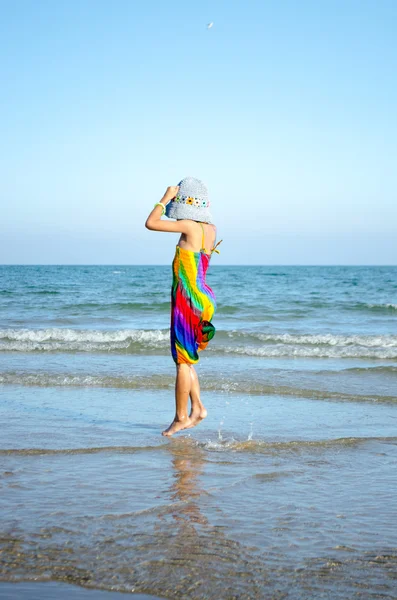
[
  {"x": 287, "y": 499},
  {"x": 32, "y": 590}
]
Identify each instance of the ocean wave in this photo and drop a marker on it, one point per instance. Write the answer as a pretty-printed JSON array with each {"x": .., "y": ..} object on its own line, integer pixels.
[
  {"x": 144, "y": 306},
  {"x": 266, "y": 345},
  {"x": 270, "y": 446},
  {"x": 292, "y": 351},
  {"x": 216, "y": 445},
  {"x": 93, "y": 450},
  {"x": 287, "y": 345},
  {"x": 383, "y": 369},
  {"x": 327, "y": 339},
  {"x": 119, "y": 306},
  {"x": 68, "y": 380},
  {"x": 386, "y": 307},
  {"x": 78, "y": 340},
  {"x": 165, "y": 381}
]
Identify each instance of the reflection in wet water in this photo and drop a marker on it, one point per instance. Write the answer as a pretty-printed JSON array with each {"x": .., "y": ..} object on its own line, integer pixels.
[{"x": 192, "y": 520}]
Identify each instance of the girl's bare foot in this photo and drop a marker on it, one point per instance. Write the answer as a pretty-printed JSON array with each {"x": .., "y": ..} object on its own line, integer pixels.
[
  {"x": 196, "y": 416},
  {"x": 177, "y": 425}
]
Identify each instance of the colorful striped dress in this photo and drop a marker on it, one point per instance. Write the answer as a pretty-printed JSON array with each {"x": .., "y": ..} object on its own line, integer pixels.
[{"x": 192, "y": 304}]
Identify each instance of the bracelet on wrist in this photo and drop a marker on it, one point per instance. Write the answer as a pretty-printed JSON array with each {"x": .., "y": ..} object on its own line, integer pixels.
[{"x": 162, "y": 206}]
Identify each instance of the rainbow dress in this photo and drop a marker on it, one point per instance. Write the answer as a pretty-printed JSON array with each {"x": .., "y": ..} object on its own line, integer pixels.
[{"x": 192, "y": 304}]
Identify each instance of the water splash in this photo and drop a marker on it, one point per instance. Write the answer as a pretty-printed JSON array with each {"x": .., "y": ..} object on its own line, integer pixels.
[{"x": 220, "y": 437}]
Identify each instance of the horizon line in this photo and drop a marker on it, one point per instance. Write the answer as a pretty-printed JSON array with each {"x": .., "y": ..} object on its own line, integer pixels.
[{"x": 212, "y": 266}]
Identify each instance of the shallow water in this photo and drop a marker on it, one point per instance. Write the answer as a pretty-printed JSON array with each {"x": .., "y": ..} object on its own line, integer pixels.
[
  {"x": 286, "y": 490},
  {"x": 33, "y": 590}
]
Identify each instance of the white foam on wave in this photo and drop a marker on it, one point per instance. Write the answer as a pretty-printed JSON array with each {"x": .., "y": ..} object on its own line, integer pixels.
[
  {"x": 43, "y": 379},
  {"x": 328, "y": 339},
  {"x": 290, "y": 351},
  {"x": 58, "y": 339},
  {"x": 388, "y": 306},
  {"x": 55, "y": 339},
  {"x": 91, "y": 335},
  {"x": 161, "y": 381}
]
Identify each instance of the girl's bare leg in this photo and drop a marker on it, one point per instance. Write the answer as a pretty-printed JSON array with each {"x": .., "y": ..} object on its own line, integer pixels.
[
  {"x": 182, "y": 391},
  {"x": 198, "y": 411}
]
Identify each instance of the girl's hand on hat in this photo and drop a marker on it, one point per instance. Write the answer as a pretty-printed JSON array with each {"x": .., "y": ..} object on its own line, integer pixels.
[{"x": 170, "y": 193}]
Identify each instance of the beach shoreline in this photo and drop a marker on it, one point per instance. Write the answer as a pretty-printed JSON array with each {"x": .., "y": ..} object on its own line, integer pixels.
[{"x": 284, "y": 491}]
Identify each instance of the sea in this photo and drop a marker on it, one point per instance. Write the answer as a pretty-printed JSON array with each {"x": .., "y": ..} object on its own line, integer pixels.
[{"x": 287, "y": 490}]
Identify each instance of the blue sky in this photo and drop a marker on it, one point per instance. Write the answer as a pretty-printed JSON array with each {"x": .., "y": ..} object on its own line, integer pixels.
[{"x": 287, "y": 110}]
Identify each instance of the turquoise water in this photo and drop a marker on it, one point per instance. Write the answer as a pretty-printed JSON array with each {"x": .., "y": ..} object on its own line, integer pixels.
[{"x": 286, "y": 490}]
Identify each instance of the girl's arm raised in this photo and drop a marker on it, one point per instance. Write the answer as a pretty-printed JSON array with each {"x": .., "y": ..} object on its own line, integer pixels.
[{"x": 154, "y": 221}]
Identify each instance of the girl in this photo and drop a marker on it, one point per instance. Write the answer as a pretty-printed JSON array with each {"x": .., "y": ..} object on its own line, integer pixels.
[{"x": 192, "y": 300}]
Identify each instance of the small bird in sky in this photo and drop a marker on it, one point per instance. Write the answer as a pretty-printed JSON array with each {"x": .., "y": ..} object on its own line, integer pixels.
[{"x": 209, "y": 25}]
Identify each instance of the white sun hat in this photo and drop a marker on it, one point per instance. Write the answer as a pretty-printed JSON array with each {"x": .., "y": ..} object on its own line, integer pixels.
[{"x": 191, "y": 202}]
